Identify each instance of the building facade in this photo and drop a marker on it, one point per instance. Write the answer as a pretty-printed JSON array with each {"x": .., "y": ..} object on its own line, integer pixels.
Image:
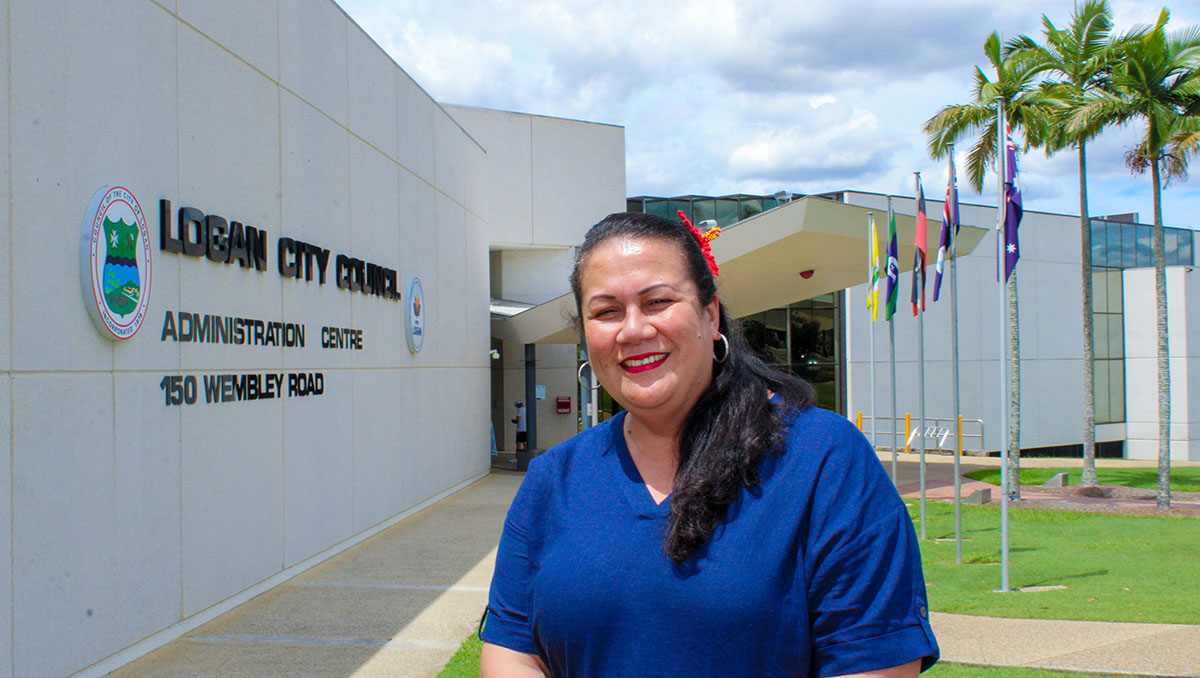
[{"x": 216, "y": 367}]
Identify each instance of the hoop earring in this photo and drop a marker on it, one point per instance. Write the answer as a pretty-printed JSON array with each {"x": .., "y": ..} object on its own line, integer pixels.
[
  {"x": 579, "y": 377},
  {"x": 724, "y": 356}
]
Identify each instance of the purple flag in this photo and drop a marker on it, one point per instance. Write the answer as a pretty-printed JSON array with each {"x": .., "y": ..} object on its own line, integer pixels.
[{"x": 1013, "y": 208}]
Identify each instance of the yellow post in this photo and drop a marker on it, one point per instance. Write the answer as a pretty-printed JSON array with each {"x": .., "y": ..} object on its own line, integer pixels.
[
  {"x": 907, "y": 429},
  {"x": 859, "y": 421},
  {"x": 960, "y": 447}
]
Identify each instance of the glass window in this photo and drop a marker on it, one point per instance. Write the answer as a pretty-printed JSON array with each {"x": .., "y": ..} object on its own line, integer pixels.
[
  {"x": 749, "y": 207},
  {"x": 1099, "y": 244},
  {"x": 676, "y": 205},
  {"x": 1171, "y": 246},
  {"x": 633, "y": 205},
  {"x": 1116, "y": 390},
  {"x": 659, "y": 207},
  {"x": 1114, "y": 243},
  {"x": 1143, "y": 249},
  {"x": 727, "y": 212},
  {"x": 1116, "y": 301},
  {"x": 1129, "y": 245},
  {"x": 703, "y": 210},
  {"x": 1100, "y": 392},
  {"x": 1116, "y": 336},
  {"x": 769, "y": 203},
  {"x": 1100, "y": 335},
  {"x": 1099, "y": 291},
  {"x": 1185, "y": 248}
]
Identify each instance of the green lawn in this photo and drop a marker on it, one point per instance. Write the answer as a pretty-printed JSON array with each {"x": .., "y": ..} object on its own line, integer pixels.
[
  {"x": 1183, "y": 478},
  {"x": 465, "y": 662},
  {"x": 1115, "y": 567}
]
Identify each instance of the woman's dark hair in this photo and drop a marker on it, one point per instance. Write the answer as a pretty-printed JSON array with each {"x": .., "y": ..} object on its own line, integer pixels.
[{"x": 733, "y": 424}]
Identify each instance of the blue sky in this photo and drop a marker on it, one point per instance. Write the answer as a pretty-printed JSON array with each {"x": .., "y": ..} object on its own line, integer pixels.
[{"x": 719, "y": 97}]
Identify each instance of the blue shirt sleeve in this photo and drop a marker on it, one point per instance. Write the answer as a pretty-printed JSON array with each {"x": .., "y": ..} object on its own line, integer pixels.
[
  {"x": 866, "y": 592},
  {"x": 506, "y": 621}
]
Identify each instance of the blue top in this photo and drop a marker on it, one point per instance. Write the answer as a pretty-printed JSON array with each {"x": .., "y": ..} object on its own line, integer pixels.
[{"x": 815, "y": 572}]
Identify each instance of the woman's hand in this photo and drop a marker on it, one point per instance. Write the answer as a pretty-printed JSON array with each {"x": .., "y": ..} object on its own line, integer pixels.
[
  {"x": 501, "y": 662},
  {"x": 909, "y": 670}
]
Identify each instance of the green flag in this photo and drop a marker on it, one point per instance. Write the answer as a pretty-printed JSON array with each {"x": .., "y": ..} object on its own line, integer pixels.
[{"x": 893, "y": 271}]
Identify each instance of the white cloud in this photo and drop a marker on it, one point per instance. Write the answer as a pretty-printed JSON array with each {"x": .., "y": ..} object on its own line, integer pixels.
[{"x": 723, "y": 96}]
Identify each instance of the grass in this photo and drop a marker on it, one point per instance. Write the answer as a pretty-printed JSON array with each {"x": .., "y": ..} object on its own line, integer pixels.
[
  {"x": 1114, "y": 567},
  {"x": 465, "y": 662},
  {"x": 1183, "y": 478}
]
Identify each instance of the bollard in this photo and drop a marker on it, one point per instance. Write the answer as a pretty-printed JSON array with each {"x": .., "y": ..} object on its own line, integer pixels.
[
  {"x": 859, "y": 421},
  {"x": 907, "y": 429},
  {"x": 960, "y": 447}
]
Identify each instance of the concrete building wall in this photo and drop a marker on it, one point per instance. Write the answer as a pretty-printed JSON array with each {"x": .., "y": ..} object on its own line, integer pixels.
[
  {"x": 553, "y": 177},
  {"x": 129, "y": 516},
  {"x": 548, "y": 180},
  {"x": 1141, "y": 363},
  {"x": 1051, "y": 333}
]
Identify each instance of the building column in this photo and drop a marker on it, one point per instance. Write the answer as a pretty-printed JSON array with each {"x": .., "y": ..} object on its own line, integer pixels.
[{"x": 531, "y": 396}]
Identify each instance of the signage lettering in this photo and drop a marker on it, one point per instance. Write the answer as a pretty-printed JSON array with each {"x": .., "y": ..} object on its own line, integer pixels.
[
  {"x": 181, "y": 389},
  {"x": 197, "y": 234}
]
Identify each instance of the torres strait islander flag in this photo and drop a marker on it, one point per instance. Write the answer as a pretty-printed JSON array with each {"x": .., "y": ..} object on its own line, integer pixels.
[
  {"x": 949, "y": 220},
  {"x": 918, "y": 284}
]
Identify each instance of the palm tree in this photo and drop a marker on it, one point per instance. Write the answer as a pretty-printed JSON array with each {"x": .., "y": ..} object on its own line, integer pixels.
[
  {"x": 1082, "y": 56},
  {"x": 1155, "y": 82},
  {"x": 1028, "y": 108}
]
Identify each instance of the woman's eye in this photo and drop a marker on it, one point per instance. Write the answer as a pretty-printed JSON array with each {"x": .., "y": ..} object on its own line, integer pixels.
[{"x": 660, "y": 302}]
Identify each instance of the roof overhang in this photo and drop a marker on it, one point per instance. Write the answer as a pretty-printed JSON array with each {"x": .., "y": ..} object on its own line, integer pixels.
[{"x": 762, "y": 259}]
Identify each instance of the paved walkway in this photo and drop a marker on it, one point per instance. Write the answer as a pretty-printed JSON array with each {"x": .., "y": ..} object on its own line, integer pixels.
[{"x": 400, "y": 603}]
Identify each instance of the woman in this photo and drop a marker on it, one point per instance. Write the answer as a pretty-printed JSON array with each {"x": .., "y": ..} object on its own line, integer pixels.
[{"x": 721, "y": 525}]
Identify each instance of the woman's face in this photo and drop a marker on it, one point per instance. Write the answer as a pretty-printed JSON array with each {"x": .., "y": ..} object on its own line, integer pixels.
[{"x": 649, "y": 339}]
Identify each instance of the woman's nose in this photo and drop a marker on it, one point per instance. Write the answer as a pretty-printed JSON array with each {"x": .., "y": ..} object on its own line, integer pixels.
[{"x": 635, "y": 327}]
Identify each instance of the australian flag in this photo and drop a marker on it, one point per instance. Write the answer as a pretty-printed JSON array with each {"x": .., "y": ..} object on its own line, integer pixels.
[{"x": 1013, "y": 209}]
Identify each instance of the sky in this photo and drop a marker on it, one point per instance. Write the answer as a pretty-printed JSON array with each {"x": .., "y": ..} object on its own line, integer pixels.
[{"x": 723, "y": 96}]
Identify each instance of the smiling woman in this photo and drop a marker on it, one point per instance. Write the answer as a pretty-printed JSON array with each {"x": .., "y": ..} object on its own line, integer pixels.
[{"x": 720, "y": 525}]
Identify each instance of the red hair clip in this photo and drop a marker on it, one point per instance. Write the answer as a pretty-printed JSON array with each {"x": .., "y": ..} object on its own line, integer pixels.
[{"x": 702, "y": 239}]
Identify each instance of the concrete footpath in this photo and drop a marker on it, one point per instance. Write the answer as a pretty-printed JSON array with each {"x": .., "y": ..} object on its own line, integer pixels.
[{"x": 400, "y": 603}]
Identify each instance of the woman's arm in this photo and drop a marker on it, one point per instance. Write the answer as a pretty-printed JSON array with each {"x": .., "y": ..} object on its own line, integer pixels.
[
  {"x": 501, "y": 662},
  {"x": 909, "y": 670}
]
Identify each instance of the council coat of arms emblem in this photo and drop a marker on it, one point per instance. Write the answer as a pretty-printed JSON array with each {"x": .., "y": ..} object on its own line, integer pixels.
[{"x": 115, "y": 262}]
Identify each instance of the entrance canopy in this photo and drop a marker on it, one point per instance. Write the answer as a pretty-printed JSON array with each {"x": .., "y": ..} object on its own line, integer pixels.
[{"x": 806, "y": 248}]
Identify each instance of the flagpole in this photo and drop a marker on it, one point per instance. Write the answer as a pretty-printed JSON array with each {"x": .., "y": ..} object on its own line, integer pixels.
[
  {"x": 921, "y": 371},
  {"x": 954, "y": 366},
  {"x": 1001, "y": 207},
  {"x": 873, "y": 310},
  {"x": 892, "y": 356}
]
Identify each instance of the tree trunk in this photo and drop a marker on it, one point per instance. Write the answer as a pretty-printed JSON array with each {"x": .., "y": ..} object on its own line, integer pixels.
[
  {"x": 1164, "y": 368},
  {"x": 1089, "y": 335},
  {"x": 1014, "y": 391}
]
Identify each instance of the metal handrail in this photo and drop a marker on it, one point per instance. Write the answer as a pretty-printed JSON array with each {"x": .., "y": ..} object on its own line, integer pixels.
[{"x": 937, "y": 429}]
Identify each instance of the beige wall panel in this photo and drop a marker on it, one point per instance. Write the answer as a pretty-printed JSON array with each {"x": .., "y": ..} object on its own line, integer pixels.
[
  {"x": 375, "y": 237},
  {"x": 312, "y": 54},
  {"x": 247, "y": 29},
  {"x": 316, "y": 210},
  {"x": 55, "y": 96},
  {"x": 372, "y": 89}
]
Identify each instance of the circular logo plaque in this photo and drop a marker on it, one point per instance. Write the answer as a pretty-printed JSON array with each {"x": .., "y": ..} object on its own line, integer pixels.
[
  {"x": 415, "y": 315},
  {"x": 114, "y": 263}
]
